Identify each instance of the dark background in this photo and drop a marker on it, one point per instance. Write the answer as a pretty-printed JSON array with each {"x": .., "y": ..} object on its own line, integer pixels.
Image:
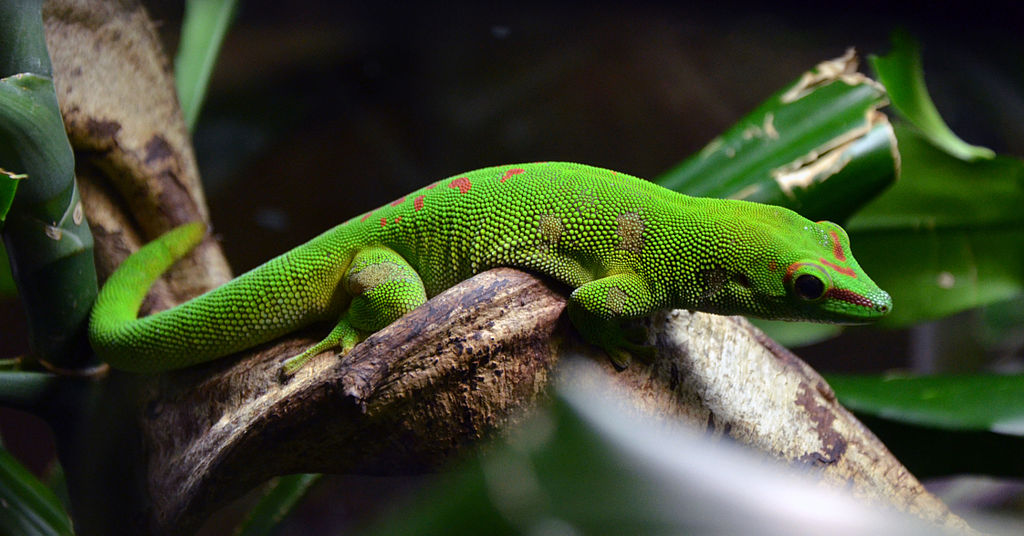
[{"x": 319, "y": 110}]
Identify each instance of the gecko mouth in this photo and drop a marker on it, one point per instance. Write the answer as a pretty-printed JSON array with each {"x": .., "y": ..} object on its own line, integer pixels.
[
  {"x": 881, "y": 305},
  {"x": 849, "y": 296}
]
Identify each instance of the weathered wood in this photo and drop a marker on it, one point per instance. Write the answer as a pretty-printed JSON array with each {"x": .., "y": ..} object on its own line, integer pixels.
[
  {"x": 450, "y": 373},
  {"x": 120, "y": 108}
]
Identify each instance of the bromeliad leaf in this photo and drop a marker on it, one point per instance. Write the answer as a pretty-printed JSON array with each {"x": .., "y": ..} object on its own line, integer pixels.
[
  {"x": 979, "y": 402},
  {"x": 819, "y": 147},
  {"x": 902, "y": 74},
  {"x": 948, "y": 237}
]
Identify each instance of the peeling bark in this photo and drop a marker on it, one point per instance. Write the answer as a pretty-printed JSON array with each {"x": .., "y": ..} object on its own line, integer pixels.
[
  {"x": 450, "y": 373},
  {"x": 120, "y": 108}
]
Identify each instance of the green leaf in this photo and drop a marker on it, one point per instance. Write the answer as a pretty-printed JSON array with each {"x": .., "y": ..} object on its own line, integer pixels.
[
  {"x": 202, "y": 32},
  {"x": 7, "y": 287},
  {"x": 819, "y": 147},
  {"x": 29, "y": 507},
  {"x": 586, "y": 465},
  {"x": 970, "y": 402},
  {"x": 948, "y": 236},
  {"x": 902, "y": 75},
  {"x": 8, "y": 186},
  {"x": 283, "y": 494}
]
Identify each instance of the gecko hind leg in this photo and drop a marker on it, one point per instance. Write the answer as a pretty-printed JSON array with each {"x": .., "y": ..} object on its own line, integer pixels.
[
  {"x": 343, "y": 336},
  {"x": 383, "y": 286}
]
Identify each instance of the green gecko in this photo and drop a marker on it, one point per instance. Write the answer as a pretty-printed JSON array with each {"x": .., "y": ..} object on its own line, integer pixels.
[{"x": 626, "y": 247}]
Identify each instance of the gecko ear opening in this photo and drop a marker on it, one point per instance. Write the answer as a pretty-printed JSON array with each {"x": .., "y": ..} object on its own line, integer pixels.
[{"x": 742, "y": 280}]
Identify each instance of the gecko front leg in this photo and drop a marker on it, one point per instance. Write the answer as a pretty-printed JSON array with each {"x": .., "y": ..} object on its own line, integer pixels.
[{"x": 598, "y": 308}]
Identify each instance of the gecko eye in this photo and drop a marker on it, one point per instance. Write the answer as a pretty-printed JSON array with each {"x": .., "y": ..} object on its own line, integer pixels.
[
  {"x": 809, "y": 287},
  {"x": 742, "y": 280}
]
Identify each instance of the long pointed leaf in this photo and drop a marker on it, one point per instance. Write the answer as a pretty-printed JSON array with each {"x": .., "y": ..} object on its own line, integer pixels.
[
  {"x": 976, "y": 402},
  {"x": 902, "y": 73},
  {"x": 29, "y": 508},
  {"x": 206, "y": 23}
]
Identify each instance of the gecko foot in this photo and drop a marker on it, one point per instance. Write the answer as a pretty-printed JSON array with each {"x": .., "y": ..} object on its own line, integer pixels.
[{"x": 343, "y": 337}]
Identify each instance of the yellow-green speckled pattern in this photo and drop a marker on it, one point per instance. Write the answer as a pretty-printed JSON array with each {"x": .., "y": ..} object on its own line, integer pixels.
[{"x": 627, "y": 247}]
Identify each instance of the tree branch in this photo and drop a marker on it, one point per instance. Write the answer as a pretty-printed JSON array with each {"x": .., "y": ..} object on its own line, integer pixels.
[{"x": 467, "y": 364}]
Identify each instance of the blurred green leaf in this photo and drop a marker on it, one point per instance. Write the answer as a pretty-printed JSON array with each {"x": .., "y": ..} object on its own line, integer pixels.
[
  {"x": 976, "y": 402},
  {"x": 7, "y": 287},
  {"x": 819, "y": 147},
  {"x": 202, "y": 32},
  {"x": 586, "y": 465},
  {"x": 948, "y": 236},
  {"x": 902, "y": 74},
  {"x": 8, "y": 186},
  {"x": 282, "y": 495},
  {"x": 29, "y": 508}
]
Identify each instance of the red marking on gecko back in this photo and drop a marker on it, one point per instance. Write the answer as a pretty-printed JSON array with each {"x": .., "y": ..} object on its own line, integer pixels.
[
  {"x": 398, "y": 219},
  {"x": 837, "y": 248},
  {"x": 398, "y": 201},
  {"x": 431, "y": 187},
  {"x": 840, "y": 269},
  {"x": 510, "y": 173},
  {"x": 461, "y": 184},
  {"x": 417, "y": 203},
  {"x": 848, "y": 296},
  {"x": 365, "y": 216},
  {"x": 383, "y": 222}
]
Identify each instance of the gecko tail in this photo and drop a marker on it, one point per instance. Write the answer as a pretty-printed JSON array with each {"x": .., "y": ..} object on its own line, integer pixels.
[{"x": 118, "y": 302}]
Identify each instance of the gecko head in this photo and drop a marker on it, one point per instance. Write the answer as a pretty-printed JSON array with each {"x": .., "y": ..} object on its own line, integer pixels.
[
  {"x": 794, "y": 269},
  {"x": 821, "y": 281}
]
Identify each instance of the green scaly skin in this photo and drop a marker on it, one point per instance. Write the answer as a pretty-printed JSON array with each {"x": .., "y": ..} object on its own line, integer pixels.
[{"x": 626, "y": 246}]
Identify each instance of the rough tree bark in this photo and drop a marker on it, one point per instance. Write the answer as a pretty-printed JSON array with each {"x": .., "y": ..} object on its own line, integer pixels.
[{"x": 458, "y": 369}]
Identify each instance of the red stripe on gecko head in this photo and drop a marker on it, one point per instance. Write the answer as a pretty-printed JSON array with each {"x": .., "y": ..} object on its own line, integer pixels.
[
  {"x": 837, "y": 248},
  {"x": 840, "y": 269},
  {"x": 417, "y": 203},
  {"x": 513, "y": 171},
  {"x": 790, "y": 270},
  {"x": 398, "y": 201},
  {"x": 461, "y": 184},
  {"x": 848, "y": 296}
]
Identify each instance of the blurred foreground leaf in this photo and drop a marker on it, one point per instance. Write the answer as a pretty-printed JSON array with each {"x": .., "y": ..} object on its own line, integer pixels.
[
  {"x": 29, "y": 508},
  {"x": 282, "y": 495},
  {"x": 586, "y": 466}
]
